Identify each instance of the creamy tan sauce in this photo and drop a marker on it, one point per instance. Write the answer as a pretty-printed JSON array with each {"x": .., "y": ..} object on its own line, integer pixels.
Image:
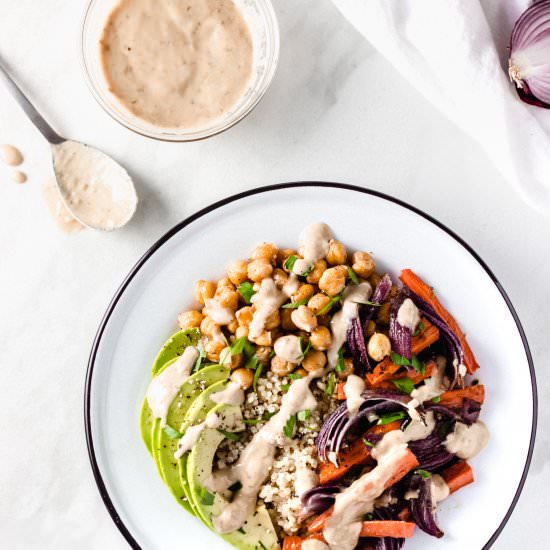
[
  {"x": 314, "y": 544},
  {"x": 177, "y": 63},
  {"x": 232, "y": 394},
  {"x": 353, "y": 388},
  {"x": 289, "y": 348},
  {"x": 439, "y": 488},
  {"x": 221, "y": 315},
  {"x": 467, "y": 441},
  {"x": 10, "y": 155},
  {"x": 189, "y": 438},
  {"x": 97, "y": 190},
  {"x": 434, "y": 386},
  {"x": 165, "y": 386},
  {"x": 352, "y": 296},
  {"x": 314, "y": 244},
  {"x": 344, "y": 525},
  {"x": 305, "y": 479},
  {"x": 267, "y": 300},
  {"x": 257, "y": 458},
  {"x": 61, "y": 216},
  {"x": 19, "y": 177},
  {"x": 408, "y": 315}
]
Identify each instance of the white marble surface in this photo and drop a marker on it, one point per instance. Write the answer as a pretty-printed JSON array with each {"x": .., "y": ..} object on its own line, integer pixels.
[{"x": 336, "y": 111}]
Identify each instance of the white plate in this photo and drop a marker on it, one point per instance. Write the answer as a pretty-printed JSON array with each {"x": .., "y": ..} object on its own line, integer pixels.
[{"x": 143, "y": 312}]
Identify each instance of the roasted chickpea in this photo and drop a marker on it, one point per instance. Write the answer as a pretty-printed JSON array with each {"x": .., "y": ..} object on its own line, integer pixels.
[
  {"x": 244, "y": 316},
  {"x": 304, "y": 318},
  {"x": 190, "y": 319},
  {"x": 301, "y": 372},
  {"x": 280, "y": 277},
  {"x": 304, "y": 292},
  {"x": 225, "y": 282},
  {"x": 263, "y": 353},
  {"x": 264, "y": 339},
  {"x": 379, "y": 346},
  {"x": 319, "y": 267},
  {"x": 241, "y": 332},
  {"x": 337, "y": 254},
  {"x": 363, "y": 264},
  {"x": 281, "y": 367},
  {"x": 383, "y": 314},
  {"x": 371, "y": 328},
  {"x": 208, "y": 327},
  {"x": 243, "y": 377},
  {"x": 265, "y": 251},
  {"x": 333, "y": 280},
  {"x": 347, "y": 370},
  {"x": 318, "y": 302},
  {"x": 259, "y": 269},
  {"x": 237, "y": 272},
  {"x": 273, "y": 321},
  {"x": 321, "y": 338},
  {"x": 283, "y": 255},
  {"x": 213, "y": 349},
  {"x": 314, "y": 360},
  {"x": 286, "y": 320},
  {"x": 232, "y": 327},
  {"x": 227, "y": 298},
  {"x": 204, "y": 290}
]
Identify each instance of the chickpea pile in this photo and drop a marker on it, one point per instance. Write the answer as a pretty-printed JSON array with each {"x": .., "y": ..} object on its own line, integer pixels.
[{"x": 307, "y": 314}]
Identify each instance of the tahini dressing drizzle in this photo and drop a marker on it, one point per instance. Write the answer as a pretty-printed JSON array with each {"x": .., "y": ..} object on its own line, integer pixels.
[
  {"x": 353, "y": 388},
  {"x": 192, "y": 433},
  {"x": 408, "y": 315},
  {"x": 232, "y": 394},
  {"x": 165, "y": 386},
  {"x": 289, "y": 348},
  {"x": 467, "y": 441},
  {"x": 314, "y": 244}
]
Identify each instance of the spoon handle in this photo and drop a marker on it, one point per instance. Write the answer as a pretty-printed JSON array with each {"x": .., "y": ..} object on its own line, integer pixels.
[{"x": 36, "y": 118}]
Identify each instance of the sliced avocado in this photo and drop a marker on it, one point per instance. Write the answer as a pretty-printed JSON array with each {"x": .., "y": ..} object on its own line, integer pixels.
[
  {"x": 257, "y": 532},
  {"x": 164, "y": 446},
  {"x": 174, "y": 347}
]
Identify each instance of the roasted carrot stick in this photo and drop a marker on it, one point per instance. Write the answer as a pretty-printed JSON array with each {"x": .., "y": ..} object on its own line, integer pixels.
[
  {"x": 401, "y": 468},
  {"x": 426, "y": 338},
  {"x": 458, "y": 475},
  {"x": 455, "y": 398},
  {"x": 292, "y": 543},
  {"x": 419, "y": 287},
  {"x": 388, "y": 528},
  {"x": 385, "y": 370},
  {"x": 356, "y": 454}
]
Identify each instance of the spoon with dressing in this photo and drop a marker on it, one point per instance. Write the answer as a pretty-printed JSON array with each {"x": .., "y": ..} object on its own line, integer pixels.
[{"x": 96, "y": 190}]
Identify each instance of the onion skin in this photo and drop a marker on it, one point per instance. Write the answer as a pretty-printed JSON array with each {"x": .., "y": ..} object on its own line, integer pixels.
[{"x": 530, "y": 33}]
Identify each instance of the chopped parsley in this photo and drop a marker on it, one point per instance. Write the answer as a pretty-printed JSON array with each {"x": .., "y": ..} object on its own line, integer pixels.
[
  {"x": 369, "y": 303},
  {"x": 288, "y": 430},
  {"x": 423, "y": 473},
  {"x": 241, "y": 345},
  {"x": 331, "y": 383},
  {"x": 171, "y": 432},
  {"x": 289, "y": 262},
  {"x": 418, "y": 365},
  {"x": 419, "y": 329},
  {"x": 285, "y": 387},
  {"x": 294, "y": 376},
  {"x": 353, "y": 275},
  {"x": 390, "y": 417},
  {"x": 206, "y": 497},
  {"x": 202, "y": 354},
  {"x": 340, "y": 364},
  {"x": 246, "y": 290},
  {"x": 308, "y": 347},
  {"x": 257, "y": 373},
  {"x": 329, "y": 304},
  {"x": 252, "y": 362},
  {"x": 368, "y": 443},
  {"x": 253, "y": 421},
  {"x": 436, "y": 399},
  {"x": 304, "y": 415},
  {"x": 295, "y": 305},
  {"x": 405, "y": 385},
  {"x": 230, "y": 435}
]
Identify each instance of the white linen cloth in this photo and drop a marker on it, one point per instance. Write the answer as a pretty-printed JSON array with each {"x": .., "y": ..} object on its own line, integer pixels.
[{"x": 455, "y": 52}]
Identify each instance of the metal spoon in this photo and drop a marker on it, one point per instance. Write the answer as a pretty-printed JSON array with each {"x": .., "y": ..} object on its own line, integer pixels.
[{"x": 81, "y": 171}]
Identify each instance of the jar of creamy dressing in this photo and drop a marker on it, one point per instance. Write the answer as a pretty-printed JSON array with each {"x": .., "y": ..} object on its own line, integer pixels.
[{"x": 179, "y": 69}]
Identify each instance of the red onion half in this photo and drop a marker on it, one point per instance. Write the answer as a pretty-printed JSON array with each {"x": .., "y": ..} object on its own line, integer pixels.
[{"x": 529, "y": 63}]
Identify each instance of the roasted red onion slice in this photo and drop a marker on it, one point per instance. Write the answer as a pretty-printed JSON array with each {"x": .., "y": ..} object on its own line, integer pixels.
[
  {"x": 400, "y": 336},
  {"x": 381, "y": 292},
  {"x": 529, "y": 63},
  {"x": 355, "y": 340},
  {"x": 422, "y": 508},
  {"x": 320, "y": 498}
]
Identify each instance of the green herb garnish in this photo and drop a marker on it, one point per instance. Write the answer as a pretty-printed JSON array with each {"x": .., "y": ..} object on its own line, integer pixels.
[
  {"x": 418, "y": 365},
  {"x": 294, "y": 376},
  {"x": 252, "y": 421},
  {"x": 246, "y": 290},
  {"x": 171, "y": 432},
  {"x": 230, "y": 435},
  {"x": 370, "y": 517},
  {"x": 419, "y": 329},
  {"x": 289, "y": 262},
  {"x": 295, "y": 305},
  {"x": 353, "y": 275},
  {"x": 206, "y": 497},
  {"x": 436, "y": 399},
  {"x": 368, "y": 443},
  {"x": 369, "y": 303},
  {"x": 202, "y": 355},
  {"x": 390, "y": 417},
  {"x": 331, "y": 383},
  {"x": 241, "y": 345},
  {"x": 308, "y": 271},
  {"x": 257, "y": 374},
  {"x": 285, "y": 387},
  {"x": 304, "y": 415},
  {"x": 330, "y": 303},
  {"x": 423, "y": 473},
  {"x": 340, "y": 364},
  {"x": 400, "y": 360},
  {"x": 404, "y": 384},
  {"x": 308, "y": 347},
  {"x": 252, "y": 362},
  {"x": 288, "y": 430}
]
